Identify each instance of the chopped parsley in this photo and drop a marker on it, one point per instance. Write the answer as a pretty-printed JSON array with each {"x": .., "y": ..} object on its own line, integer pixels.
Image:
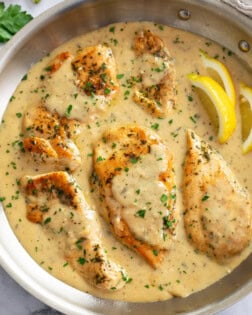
[
  {"x": 48, "y": 68},
  {"x": 114, "y": 41},
  {"x": 107, "y": 91},
  {"x": 68, "y": 110},
  {"x": 47, "y": 220},
  {"x": 126, "y": 278},
  {"x": 24, "y": 77},
  {"x": 120, "y": 76},
  {"x": 155, "y": 126},
  {"x": 100, "y": 158},
  {"x": 168, "y": 223},
  {"x": 134, "y": 159},
  {"x": 159, "y": 69},
  {"x": 204, "y": 198},
  {"x": 193, "y": 119},
  {"x": 164, "y": 198},
  {"x": 140, "y": 213},
  {"x": 81, "y": 260},
  {"x": 190, "y": 98},
  {"x": 112, "y": 29},
  {"x": 126, "y": 94},
  {"x": 79, "y": 242}
]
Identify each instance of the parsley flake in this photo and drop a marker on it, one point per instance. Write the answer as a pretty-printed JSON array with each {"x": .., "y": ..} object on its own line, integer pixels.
[
  {"x": 120, "y": 76},
  {"x": 112, "y": 29},
  {"x": 140, "y": 213},
  {"x": 47, "y": 220},
  {"x": 81, "y": 260},
  {"x": 68, "y": 110},
  {"x": 155, "y": 126},
  {"x": 163, "y": 198},
  {"x": 204, "y": 198}
]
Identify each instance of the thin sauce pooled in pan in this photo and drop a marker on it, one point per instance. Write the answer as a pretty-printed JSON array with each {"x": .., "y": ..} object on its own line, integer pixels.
[{"x": 100, "y": 94}]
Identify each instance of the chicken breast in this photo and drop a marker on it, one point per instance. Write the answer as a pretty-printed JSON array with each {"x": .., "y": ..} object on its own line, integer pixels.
[
  {"x": 86, "y": 81},
  {"x": 56, "y": 202},
  {"x": 217, "y": 213},
  {"x": 96, "y": 71},
  {"x": 134, "y": 173},
  {"x": 57, "y": 63},
  {"x": 156, "y": 93},
  {"x": 50, "y": 138}
]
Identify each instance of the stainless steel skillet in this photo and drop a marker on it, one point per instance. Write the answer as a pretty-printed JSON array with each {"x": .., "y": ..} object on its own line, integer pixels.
[{"x": 212, "y": 19}]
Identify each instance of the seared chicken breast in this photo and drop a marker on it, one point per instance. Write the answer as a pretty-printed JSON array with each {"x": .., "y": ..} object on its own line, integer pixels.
[
  {"x": 156, "y": 93},
  {"x": 86, "y": 80},
  {"x": 96, "y": 71},
  {"x": 217, "y": 213},
  {"x": 56, "y": 202},
  {"x": 50, "y": 138},
  {"x": 57, "y": 62},
  {"x": 130, "y": 165}
]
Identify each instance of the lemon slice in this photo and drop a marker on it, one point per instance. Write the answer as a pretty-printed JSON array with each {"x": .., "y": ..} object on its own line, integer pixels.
[
  {"x": 220, "y": 73},
  {"x": 220, "y": 100},
  {"x": 246, "y": 117}
]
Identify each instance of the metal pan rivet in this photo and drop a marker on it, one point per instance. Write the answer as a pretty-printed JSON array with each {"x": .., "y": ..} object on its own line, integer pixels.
[
  {"x": 244, "y": 45},
  {"x": 184, "y": 14}
]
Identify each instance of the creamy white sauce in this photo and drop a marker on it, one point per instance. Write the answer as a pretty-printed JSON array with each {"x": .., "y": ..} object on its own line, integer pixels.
[
  {"x": 139, "y": 191},
  {"x": 151, "y": 68},
  {"x": 184, "y": 270},
  {"x": 83, "y": 106}
]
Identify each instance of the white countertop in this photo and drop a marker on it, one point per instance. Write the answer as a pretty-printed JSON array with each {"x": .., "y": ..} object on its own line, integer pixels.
[{"x": 14, "y": 300}]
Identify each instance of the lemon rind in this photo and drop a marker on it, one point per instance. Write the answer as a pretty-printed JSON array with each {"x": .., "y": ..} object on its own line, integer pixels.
[
  {"x": 247, "y": 144},
  {"x": 223, "y": 72},
  {"x": 226, "y": 111},
  {"x": 246, "y": 92}
]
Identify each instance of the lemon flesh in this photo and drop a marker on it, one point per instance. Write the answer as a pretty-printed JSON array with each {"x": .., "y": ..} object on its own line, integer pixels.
[
  {"x": 223, "y": 76},
  {"x": 220, "y": 100},
  {"x": 246, "y": 117}
]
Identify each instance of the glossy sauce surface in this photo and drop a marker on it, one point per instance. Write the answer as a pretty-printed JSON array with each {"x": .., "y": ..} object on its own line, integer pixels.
[{"x": 184, "y": 270}]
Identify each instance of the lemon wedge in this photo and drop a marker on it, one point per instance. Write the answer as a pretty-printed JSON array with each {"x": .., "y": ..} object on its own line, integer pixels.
[
  {"x": 246, "y": 117},
  {"x": 221, "y": 102},
  {"x": 220, "y": 73}
]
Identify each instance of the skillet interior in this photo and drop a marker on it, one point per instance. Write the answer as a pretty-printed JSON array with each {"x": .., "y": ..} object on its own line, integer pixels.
[{"x": 211, "y": 19}]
